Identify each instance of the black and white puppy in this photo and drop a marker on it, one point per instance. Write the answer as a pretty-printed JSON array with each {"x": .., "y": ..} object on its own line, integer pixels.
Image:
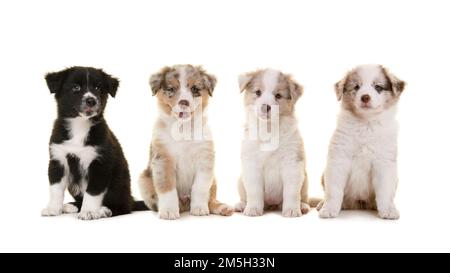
[{"x": 85, "y": 156}]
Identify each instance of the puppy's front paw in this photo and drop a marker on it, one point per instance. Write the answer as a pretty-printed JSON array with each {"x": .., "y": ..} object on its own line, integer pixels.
[
  {"x": 200, "y": 210},
  {"x": 52, "y": 211},
  {"x": 292, "y": 212},
  {"x": 103, "y": 212},
  {"x": 253, "y": 211},
  {"x": 169, "y": 214},
  {"x": 328, "y": 213},
  {"x": 69, "y": 208},
  {"x": 390, "y": 214}
]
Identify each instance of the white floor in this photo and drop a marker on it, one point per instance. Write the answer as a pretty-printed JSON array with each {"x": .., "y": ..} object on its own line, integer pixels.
[{"x": 144, "y": 232}]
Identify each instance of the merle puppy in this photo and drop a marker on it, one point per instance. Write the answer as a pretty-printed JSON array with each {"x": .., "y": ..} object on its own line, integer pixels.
[{"x": 85, "y": 156}]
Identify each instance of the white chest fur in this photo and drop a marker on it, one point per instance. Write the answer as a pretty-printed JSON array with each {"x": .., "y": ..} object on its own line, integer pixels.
[
  {"x": 78, "y": 132},
  {"x": 269, "y": 163},
  {"x": 189, "y": 156},
  {"x": 365, "y": 142}
]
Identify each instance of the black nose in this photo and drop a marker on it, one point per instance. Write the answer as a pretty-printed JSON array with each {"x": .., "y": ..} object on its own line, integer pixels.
[
  {"x": 184, "y": 103},
  {"x": 365, "y": 98},
  {"x": 265, "y": 108},
  {"x": 91, "y": 102}
]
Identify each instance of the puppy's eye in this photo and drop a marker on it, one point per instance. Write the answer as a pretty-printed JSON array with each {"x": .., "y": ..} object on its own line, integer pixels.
[
  {"x": 170, "y": 89},
  {"x": 76, "y": 88},
  {"x": 97, "y": 88},
  {"x": 379, "y": 88},
  {"x": 356, "y": 88},
  {"x": 258, "y": 93},
  {"x": 195, "y": 89},
  {"x": 278, "y": 96}
]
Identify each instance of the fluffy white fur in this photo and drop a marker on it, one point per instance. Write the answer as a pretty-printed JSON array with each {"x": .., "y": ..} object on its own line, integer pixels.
[
  {"x": 271, "y": 177},
  {"x": 362, "y": 158}
]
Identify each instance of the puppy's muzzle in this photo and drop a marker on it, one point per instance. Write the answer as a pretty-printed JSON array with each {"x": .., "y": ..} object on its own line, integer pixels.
[
  {"x": 91, "y": 102},
  {"x": 90, "y": 106},
  {"x": 365, "y": 99},
  {"x": 265, "y": 108}
]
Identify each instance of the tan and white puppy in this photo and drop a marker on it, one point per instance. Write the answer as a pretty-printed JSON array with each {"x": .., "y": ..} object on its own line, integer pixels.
[
  {"x": 361, "y": 171},
  {"x": 273, "y": 159},
  {"x": 180, "y": 173}
]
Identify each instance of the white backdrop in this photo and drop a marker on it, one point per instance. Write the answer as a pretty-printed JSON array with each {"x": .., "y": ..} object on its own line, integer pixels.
[{"x": 316, "y": 41}]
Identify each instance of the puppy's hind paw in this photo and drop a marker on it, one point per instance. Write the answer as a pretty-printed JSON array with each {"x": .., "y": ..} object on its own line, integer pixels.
[
  {"x": 304, "y": 207},
  {"x": 69, "y": 208},
  {"x": 225, "y": 210}
]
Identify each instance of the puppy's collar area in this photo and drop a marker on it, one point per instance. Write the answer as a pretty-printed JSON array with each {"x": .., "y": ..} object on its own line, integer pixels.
[{"x": 96, "y": 119}]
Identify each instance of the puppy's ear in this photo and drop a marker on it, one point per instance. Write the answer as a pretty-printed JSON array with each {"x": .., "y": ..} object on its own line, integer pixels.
[
  {"x": 209, "y": 81},
  {"x": 295, "y": 89},
  {"x": 397, "y": 85},
  {"x": 113, "y": 84},
  {"x": 245, "y": 79},
  {"x": 55, "y": 80},
  {"x": 340, "y": 86},
  {"x": 157, "y": 79}
]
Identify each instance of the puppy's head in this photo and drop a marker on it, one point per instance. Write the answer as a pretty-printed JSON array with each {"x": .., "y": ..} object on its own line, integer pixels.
[
  {"x": 368, "y": 90},
  {"x": 182, "y": 89},
  {"x": 268, "y": 88},
  {"x": 81, "y": 91}
]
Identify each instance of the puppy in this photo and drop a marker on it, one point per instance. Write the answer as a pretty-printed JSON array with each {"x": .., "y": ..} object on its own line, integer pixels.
[
  {"x": 361, "y": 171},
  {"x": 180, "y": 175},
  {"x": 273, "y": 166},
  {"x": 85, "y": 156}
]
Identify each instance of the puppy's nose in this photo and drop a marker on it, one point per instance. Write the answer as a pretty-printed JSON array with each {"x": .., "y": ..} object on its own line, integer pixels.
[
  {"x": 365, "y": 98},
  {"x": 91, "y": 102},
  {"x": 265, "y": 108},
  {"x": 184, "y": 103}
]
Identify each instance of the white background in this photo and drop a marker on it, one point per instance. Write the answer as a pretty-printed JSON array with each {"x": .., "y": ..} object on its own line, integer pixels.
[{"x": 317, "y": 42}]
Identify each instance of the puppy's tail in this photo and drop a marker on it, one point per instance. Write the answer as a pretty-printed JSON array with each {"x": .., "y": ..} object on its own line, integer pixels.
[
  {"x": 147, "y": 190},
  {"x": 315, "y": 202},
  {"x": 139, "y": 206},
  {"x": 216, "y": 207}
]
